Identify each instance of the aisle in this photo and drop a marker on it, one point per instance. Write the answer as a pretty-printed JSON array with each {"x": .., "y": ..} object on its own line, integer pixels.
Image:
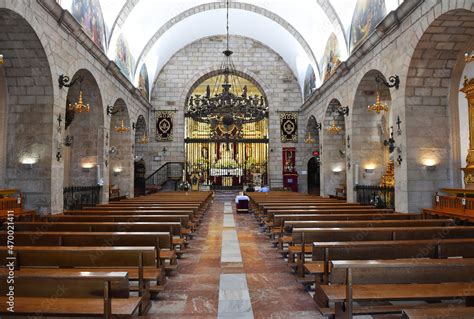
[{"x": 217, "y": 278}]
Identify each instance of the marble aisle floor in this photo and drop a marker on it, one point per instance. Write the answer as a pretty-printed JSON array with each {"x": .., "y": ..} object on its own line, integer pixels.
[{"x": 193, "y": 292}]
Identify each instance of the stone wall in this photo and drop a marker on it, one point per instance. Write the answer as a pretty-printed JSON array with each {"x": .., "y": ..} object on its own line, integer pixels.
[
  {"x": 252, "y": 58},
  {"x": 425, "y": 45},
  {"x": 37, "y": 49}
]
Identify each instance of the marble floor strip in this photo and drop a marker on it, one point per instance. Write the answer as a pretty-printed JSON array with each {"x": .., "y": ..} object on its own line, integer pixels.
[{"x": 234, "y": 297}]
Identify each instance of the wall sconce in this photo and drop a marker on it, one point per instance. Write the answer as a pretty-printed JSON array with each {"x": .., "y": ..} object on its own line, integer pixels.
[
  {"x": 117, "y": 170},
  {"x": 369, "y": 168},
  {"x": 429, "y": 164},
  {"x": 87, "y": 163},
  {"x": 1, "y": 59},
  {"x": 58, "y": 156},
  {"x": 29, "y": 161},
  {"x": 337, "y": 170}
]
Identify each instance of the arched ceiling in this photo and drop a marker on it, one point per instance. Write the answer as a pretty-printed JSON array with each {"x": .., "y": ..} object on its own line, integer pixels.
[{"x": 155, "y": 30}]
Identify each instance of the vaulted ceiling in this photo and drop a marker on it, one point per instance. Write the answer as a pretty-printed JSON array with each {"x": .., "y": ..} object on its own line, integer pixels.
[{"x": 150, "y": 32}]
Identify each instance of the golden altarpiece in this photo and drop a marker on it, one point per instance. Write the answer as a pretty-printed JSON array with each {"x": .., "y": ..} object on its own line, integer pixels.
[{"x": 222, "y": 153}]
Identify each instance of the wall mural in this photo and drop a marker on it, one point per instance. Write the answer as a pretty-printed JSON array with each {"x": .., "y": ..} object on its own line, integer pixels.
[
  {"x": 89, "y": 14},
  {"x": 123, "y": 56},
  {"x": 309, "y": 82},
  {"x": 164, "y": 125},
  {"x": 289, "y": 127},
  {"x": 331, "y": 57},
  {"x": 367, "y": 14},
  {"x": 143, "y": 82}
]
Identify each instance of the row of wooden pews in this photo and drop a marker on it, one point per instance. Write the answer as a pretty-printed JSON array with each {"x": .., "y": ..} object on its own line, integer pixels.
[
  {"x": 367, "y": 261},
  {"x": 107, "y": 261}
]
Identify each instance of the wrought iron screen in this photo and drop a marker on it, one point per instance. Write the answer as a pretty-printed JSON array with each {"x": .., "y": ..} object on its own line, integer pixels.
[
  {"x": 76, "y": 197},
  {"x": 379, "y": 196}
]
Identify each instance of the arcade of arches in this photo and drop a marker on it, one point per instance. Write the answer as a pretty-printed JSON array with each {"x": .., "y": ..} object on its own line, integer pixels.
[{"x": 363, "y": 101}]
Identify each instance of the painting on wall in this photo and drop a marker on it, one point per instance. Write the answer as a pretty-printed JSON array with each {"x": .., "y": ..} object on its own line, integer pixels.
[
  {"x": 309, "y": 82},
  {"x": 143, "y": 82},
  {"x": 367, "y": 14},
  {"x": 331, "y": 57},
  {"x": 123, "y": 56},
  {"x": 89, "y": 14}
]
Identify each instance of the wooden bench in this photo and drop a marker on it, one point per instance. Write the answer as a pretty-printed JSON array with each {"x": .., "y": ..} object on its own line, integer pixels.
[
  {"x": 325, "y": 252},
  {"x": 160, "y": 240},
  {"x": 89, "y": 294},
  {"x": 446, "y": 312},
  {"x": 304, "y": 237},
  {"x": 139, "y": 262},
  {"x": 393, "y": 280}
]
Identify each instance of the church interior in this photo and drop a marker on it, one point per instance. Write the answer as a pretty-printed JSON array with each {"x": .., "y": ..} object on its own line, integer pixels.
[{"x": 237, "y": 159}]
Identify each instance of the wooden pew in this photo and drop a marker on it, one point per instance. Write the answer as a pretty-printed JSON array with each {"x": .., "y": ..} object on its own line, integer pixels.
[
  {"x": 173, "y": 228},
  {"x": 91, "y": 294},
  {"x": 279, "y": 220},
  {"x": 141, "y": 263},
  {"x": 446, "y": 312},
  {"x": 400, "y": 280},
  {"x": 302, "y": 236},
  {"x": 325, "y": 252},
  {"x": 160, "y": 240}
]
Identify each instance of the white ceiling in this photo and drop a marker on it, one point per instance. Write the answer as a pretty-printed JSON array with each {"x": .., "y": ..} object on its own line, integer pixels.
[{"x": 302, "y": 44}]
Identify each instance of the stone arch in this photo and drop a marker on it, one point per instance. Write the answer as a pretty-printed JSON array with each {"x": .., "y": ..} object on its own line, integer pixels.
[
  {"x": 334, "y": 150},
  {"x": 121, "y": 154},
  {"x": 26, "y": 112},
  {"x": 83, "y": 158},
  {"x": 431, "y": 101},
  {"x": 369, "y": 130}
]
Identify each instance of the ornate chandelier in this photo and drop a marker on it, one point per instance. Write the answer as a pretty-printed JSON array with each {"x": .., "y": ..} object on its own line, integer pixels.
[
  {"x": 378, "y": 106},
  {"x": 333, "y": 129},
  {"x": 122, "y": 128},
  {"x": 143, "y": 139},
  {"x": 79, "y": 106},
  {"x": 231, "y": 106},
  {"x": 309, "y": 139}
]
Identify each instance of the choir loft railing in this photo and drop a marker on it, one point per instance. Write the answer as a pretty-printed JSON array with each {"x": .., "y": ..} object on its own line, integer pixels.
[
  {"x": 378, "y": 196},
  {"x": 76, "y": 197}
]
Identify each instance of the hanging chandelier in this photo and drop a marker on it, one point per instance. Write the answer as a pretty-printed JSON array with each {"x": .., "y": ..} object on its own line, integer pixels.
[
  {"x": 309, "y": 139},
  {"x": 378, "y": 106},
  {"x": 122, "y": 128},
  {"x": 333, "y": 129},
  {"x": 143, "y": 139},
  {"x": 228, "y": 103},
  {"x": 79, "y": 106}
]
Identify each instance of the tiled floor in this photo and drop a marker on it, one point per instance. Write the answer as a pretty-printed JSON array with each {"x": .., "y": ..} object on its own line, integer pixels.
[{"x": 216, "y": 279}]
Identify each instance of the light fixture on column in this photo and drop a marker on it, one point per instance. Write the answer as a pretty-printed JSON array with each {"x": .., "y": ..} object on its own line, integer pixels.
[
  {"x": 309, "y": 139},
  {"x": 333, "y": 129},
  {"x": 122, "y": 128},
  {"x": 143, "y": 139},
  {"x": 1, "y": 59},
  {"x": 378, "y": 106},
  {"x": 468, "y": 58}
]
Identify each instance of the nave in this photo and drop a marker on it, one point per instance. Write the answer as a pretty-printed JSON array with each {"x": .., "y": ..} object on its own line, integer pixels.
[{"x": 287, "y": 255}]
